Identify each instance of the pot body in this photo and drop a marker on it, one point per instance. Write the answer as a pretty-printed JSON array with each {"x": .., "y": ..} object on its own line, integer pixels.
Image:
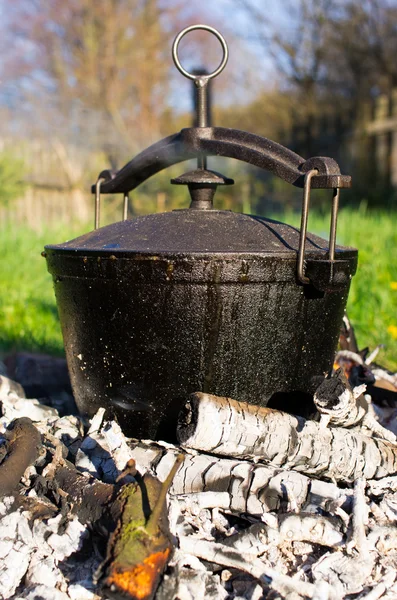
[{"x": 143, "y": 330}]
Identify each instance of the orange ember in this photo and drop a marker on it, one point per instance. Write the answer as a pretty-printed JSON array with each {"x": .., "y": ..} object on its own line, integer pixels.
[{"x": 139, "y": 581}]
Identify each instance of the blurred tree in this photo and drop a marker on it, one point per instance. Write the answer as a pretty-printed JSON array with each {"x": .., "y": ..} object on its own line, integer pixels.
[
  {"x": 108, "y": 57},
  {"x": 98, "y": 72},
  {"x": 335, "y": 57},
  {"x": 330, "y": 48}
]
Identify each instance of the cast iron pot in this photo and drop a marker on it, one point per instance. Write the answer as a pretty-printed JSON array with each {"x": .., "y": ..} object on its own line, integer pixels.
[{"x": 159, "y": 306}]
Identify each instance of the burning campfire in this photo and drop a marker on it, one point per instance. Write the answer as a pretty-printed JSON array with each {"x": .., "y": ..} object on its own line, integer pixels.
[{"x": 252, "y": 502}]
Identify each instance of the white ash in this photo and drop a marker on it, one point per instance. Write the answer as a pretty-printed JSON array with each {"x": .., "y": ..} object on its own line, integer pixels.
[
  {"x": 33, "y": 553},
  {"x": 104, "y": 452},
  {"x": 69, "y": 430},
  {"x": 190, "y": 580},
  {"x": 16, "y": 548},
  {"x": 244, "y": 530},
  {"x": 15, "y": 405}
]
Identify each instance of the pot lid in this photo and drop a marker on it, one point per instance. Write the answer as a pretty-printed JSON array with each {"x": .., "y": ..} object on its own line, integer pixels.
[{"x": 190, "y": 231}]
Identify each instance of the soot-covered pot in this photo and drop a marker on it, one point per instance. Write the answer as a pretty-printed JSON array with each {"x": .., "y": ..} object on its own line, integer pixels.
[{"x": 200, "y": 299}]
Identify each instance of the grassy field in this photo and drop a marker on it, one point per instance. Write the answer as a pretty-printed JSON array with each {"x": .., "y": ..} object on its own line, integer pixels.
[{"x": 28, "y": 316}]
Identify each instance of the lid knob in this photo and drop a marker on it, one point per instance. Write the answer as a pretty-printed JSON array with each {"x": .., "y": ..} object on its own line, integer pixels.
[{"x": 202, "y": 185}]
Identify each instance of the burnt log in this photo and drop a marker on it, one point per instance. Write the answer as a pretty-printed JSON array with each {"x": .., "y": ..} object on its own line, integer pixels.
[{"x": 254, "y": 433}]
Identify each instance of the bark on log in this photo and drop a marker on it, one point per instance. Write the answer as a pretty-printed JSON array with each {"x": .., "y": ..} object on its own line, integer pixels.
[
  {"x": 91, "y": 500},
  {"x": 339, "y": 403},
  {"x": 140, "y": 547},
  {"x": 254, "y": 489},
  {"x": 226, "y": 427},
  {"x": 312, "y": 528},
  {"x": 240, "y": 486}
]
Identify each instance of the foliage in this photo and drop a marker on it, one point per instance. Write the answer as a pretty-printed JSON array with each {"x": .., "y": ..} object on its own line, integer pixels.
[
  {"x": 28, "y": 315},
  {"x": 11, "y": 171},
  {"x": 97, "y": 70},
  {"x": 336, "y": 61}
]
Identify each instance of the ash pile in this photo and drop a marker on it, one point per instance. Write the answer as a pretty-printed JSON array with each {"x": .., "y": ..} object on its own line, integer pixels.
[{"x": 258, "y": 504}]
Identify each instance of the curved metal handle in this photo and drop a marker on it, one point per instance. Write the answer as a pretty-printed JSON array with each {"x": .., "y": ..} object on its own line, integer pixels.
[
  {"x": 219, "y": 141},
  {"x": 303, "y": 229}
]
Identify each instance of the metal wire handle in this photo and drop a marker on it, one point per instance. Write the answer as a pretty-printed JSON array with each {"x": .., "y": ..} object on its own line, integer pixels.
[
  {"x": 98, "y": 203},
  {"x": 305, "y": 212}
]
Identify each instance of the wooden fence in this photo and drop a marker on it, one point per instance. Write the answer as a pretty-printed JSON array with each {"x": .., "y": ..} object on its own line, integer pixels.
[
  {"x": 39, "y": 208},
  {"x": 56, "y": 181}
]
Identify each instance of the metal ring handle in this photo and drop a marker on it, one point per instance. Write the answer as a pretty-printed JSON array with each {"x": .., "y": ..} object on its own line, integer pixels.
[
  {"x": 305, "y": 212},
  {"x": 177, "y": 62}
]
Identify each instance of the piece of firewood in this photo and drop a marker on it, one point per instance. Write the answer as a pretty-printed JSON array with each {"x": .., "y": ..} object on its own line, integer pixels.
[
  {"x": 312, "y": 528},
  {"x": 134, "y": 514},
  {"x": 91, "y": 500},
  {"x": 141, "y": 545},
  {"x": 23, "y": 447},
  {"x": 340, "y": 405},
  {"x": 243, "y": 487},
  {"x": 251, "y": 488},
  {"x": 359, "y": 517},
  {"x": 243, "y": 430},
  {"x": 248, "y": 562},
  {"x": 204, "y": 481}
]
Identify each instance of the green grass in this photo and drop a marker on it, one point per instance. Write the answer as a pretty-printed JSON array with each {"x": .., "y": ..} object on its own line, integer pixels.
[
  {"x": 28, "y": 313},
  {"x": 28, "y": 316}
]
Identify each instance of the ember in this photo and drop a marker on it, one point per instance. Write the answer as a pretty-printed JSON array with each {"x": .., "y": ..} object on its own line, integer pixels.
[{"x": 259, "y": 504}]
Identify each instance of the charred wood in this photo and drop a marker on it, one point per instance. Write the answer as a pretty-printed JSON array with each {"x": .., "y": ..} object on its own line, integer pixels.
[
  {"x": 241, "y": 486},
  {"x": 341, "y": 405},
  {"x": 23, "y": 447},
  {"x": 251, "y": 432}
]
